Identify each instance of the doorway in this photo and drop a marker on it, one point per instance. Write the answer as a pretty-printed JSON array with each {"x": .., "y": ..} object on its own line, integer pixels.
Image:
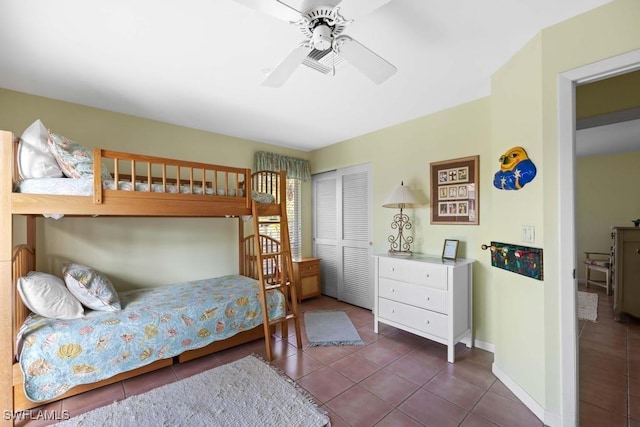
[{"x": 567, "y": 82}]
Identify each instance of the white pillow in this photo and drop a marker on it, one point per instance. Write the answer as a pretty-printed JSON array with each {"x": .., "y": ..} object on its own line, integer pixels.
[
  {"x": 46, "y": 295},
  {"x": 92, "y": 288},
  {"x": 35, "y": 160}
]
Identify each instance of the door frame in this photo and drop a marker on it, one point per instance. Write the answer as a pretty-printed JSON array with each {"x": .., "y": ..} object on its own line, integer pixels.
[{"x": 567, "y": 82}]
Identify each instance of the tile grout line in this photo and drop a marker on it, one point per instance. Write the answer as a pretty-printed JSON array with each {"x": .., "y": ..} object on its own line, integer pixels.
[
  {"x": 418, "y": 389},
  {"x": 476, "y": 404}
]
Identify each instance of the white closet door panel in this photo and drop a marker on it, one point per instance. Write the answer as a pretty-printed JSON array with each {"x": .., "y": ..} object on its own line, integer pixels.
[
  {"x": 355, "y": 283},
  {"x": 325, "y": 230},
  {"x": 326, "y": 218},
  {"x": 355, "y": 203},
  {"x": 328, "y": 255},
  {"x": 357, "y": 287}
]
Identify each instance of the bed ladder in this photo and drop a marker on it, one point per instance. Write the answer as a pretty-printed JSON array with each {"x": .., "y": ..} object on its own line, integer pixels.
[{"x": 275, "y": 273}]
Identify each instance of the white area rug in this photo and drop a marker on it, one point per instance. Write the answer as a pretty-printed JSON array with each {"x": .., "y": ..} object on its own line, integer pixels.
[
  {"x": 328, "y": 327},
  {"x": 247, "y": 392},
  {"x": 587, "y": 306}
]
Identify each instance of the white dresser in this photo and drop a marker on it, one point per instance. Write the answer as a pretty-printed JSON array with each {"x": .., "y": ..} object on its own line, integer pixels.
[{"x": 426, "y": 296}]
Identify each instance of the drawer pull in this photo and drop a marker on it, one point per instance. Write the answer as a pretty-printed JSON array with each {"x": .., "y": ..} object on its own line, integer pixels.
[
  {"x": 393, "y": 290},
  {"x": 428, "y": 299},
  {"x": 393, "y": 311},
  {"x": 427, "y": 322}
]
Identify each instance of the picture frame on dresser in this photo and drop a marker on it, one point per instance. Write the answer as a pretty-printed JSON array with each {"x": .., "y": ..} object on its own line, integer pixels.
[
  {"x": 450, "y": 249},
  {"x": 455, "y": 191}
]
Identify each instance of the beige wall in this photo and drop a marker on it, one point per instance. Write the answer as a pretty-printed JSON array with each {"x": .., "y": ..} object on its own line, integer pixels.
[
  {"x": 606, "y": 196},
  {"x": 610, "y": 95},
  {"x": 516, "y": 112},
  {"x": 138, "y": 251},
  {"x": 403, "y": 153}
]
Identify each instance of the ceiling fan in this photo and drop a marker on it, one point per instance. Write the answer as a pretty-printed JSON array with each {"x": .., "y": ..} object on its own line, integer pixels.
[{"x": 322, "y": 24}]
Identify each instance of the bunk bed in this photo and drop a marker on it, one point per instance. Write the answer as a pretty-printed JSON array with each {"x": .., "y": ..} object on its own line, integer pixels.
[{"x": 124, "y": 184}]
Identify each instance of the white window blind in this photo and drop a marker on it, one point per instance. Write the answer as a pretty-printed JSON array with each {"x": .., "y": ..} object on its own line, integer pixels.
[{"x": 294, "y": 217}]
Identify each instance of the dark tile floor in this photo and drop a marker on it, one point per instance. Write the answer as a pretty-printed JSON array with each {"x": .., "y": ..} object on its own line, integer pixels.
[
  {"x": 397, "y": 379},
  {"x": 609, "y": 359}
]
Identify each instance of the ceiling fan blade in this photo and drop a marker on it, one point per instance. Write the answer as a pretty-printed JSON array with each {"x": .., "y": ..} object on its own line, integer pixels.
[
  {"x": 275, "y": 8},
  {"x": 368, "y": 62},
  {"x": 304, "y": 5},
  {"x": 354, "y": 9},
  {"x": 283, "y": 71}
]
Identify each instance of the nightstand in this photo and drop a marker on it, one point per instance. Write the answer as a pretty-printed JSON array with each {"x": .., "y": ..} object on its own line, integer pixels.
[{"x": 306, "y": 274}]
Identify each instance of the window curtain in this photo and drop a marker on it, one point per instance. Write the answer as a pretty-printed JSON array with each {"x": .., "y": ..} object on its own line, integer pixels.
[{"x": 295, "y": 168}]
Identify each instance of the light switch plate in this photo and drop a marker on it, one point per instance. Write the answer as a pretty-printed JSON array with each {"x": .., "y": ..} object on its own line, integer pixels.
[{"x": 528, "y": 234}]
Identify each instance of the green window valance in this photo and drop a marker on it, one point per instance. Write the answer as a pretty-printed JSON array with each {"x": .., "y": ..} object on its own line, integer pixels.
[{"x": 296, "y": 168}]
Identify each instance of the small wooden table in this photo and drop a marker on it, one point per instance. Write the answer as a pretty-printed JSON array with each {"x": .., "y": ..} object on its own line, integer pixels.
[{"x": 306, "y": 274}]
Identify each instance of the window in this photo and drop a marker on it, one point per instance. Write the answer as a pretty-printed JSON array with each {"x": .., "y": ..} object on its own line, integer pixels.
[
  {"x": 297, "y": 171},
  {"x": 294, "y": 218}
]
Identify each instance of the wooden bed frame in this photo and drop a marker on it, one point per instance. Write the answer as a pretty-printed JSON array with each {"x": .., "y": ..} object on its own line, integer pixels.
[{"x": 18, "y": 261}]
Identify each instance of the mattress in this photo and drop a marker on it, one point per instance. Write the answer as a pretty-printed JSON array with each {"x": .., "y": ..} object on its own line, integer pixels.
[
  {"x": 154, "y": 323},
  {"x": 84, "y": 187}
]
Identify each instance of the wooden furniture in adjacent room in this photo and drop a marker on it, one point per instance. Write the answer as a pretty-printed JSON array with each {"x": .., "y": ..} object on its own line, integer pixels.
[
  {"x": 599, "y": 262},
  {"x": 626, "y": 271},
  {"x": 306, "y": 274},
  {"x": 426, "y": 296}
]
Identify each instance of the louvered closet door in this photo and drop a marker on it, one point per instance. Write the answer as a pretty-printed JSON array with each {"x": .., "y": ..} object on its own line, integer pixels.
[
  {"x": 325, "y": 230},
  {"x": 355, "y": 250},
  {"x": 342, "y": 233}
]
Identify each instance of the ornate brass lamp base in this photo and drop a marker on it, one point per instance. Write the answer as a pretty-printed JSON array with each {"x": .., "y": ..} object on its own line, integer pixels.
[{"x": 400, "y": 245}]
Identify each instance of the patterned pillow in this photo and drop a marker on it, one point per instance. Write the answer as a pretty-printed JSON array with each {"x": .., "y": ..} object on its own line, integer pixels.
[
  {"x": 35, "y": 160},
  {"x": 92, "y": 288},
  {"x": 75, "y": 160},
  {"x": 46, "y": 295}
]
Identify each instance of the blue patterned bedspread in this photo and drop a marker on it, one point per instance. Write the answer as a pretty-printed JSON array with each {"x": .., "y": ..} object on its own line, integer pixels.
[{"x": 155, "y": 323}]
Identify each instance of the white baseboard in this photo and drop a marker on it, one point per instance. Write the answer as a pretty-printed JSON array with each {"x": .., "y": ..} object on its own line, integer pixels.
[
  {"x": 483, "y": 345},
  {"x": 548, "y": 418}
]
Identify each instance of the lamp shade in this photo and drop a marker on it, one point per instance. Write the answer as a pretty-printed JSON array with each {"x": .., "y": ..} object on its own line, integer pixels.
[{"x": 401, "y": 197}]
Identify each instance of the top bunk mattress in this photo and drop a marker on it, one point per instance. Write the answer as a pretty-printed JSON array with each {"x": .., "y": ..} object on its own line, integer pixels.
[{"x": 84, "y": 187}]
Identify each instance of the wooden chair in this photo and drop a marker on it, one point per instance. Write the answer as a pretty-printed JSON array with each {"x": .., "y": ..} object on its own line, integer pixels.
[{"x": 601, "y": 263}]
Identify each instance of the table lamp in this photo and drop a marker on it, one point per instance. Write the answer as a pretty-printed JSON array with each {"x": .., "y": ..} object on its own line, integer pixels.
[{"x": 401, "y": 197}]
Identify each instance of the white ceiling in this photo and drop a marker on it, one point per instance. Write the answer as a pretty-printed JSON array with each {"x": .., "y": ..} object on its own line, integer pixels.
[
  {"x": 613, "y": 138},
  {"x": 200, "y": 63}
]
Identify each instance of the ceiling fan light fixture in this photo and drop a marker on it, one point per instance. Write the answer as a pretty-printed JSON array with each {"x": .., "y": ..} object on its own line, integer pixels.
[
  {"x": 324, "y": 46},
  {"x": 322, "y": 38}
]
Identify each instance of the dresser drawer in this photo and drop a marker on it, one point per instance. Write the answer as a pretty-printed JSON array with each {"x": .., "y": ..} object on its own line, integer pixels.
[
  {"x": 396, "y": 269},
  {"x": 423, "y": 320},
  {"x": 432, "y": 275},
  {"x": 309, "y": 268},
  {"x": 418, "y": 295}
]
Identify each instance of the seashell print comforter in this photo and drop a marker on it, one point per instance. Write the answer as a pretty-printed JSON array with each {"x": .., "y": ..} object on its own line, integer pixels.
[{"x": 154, "y": 323}]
